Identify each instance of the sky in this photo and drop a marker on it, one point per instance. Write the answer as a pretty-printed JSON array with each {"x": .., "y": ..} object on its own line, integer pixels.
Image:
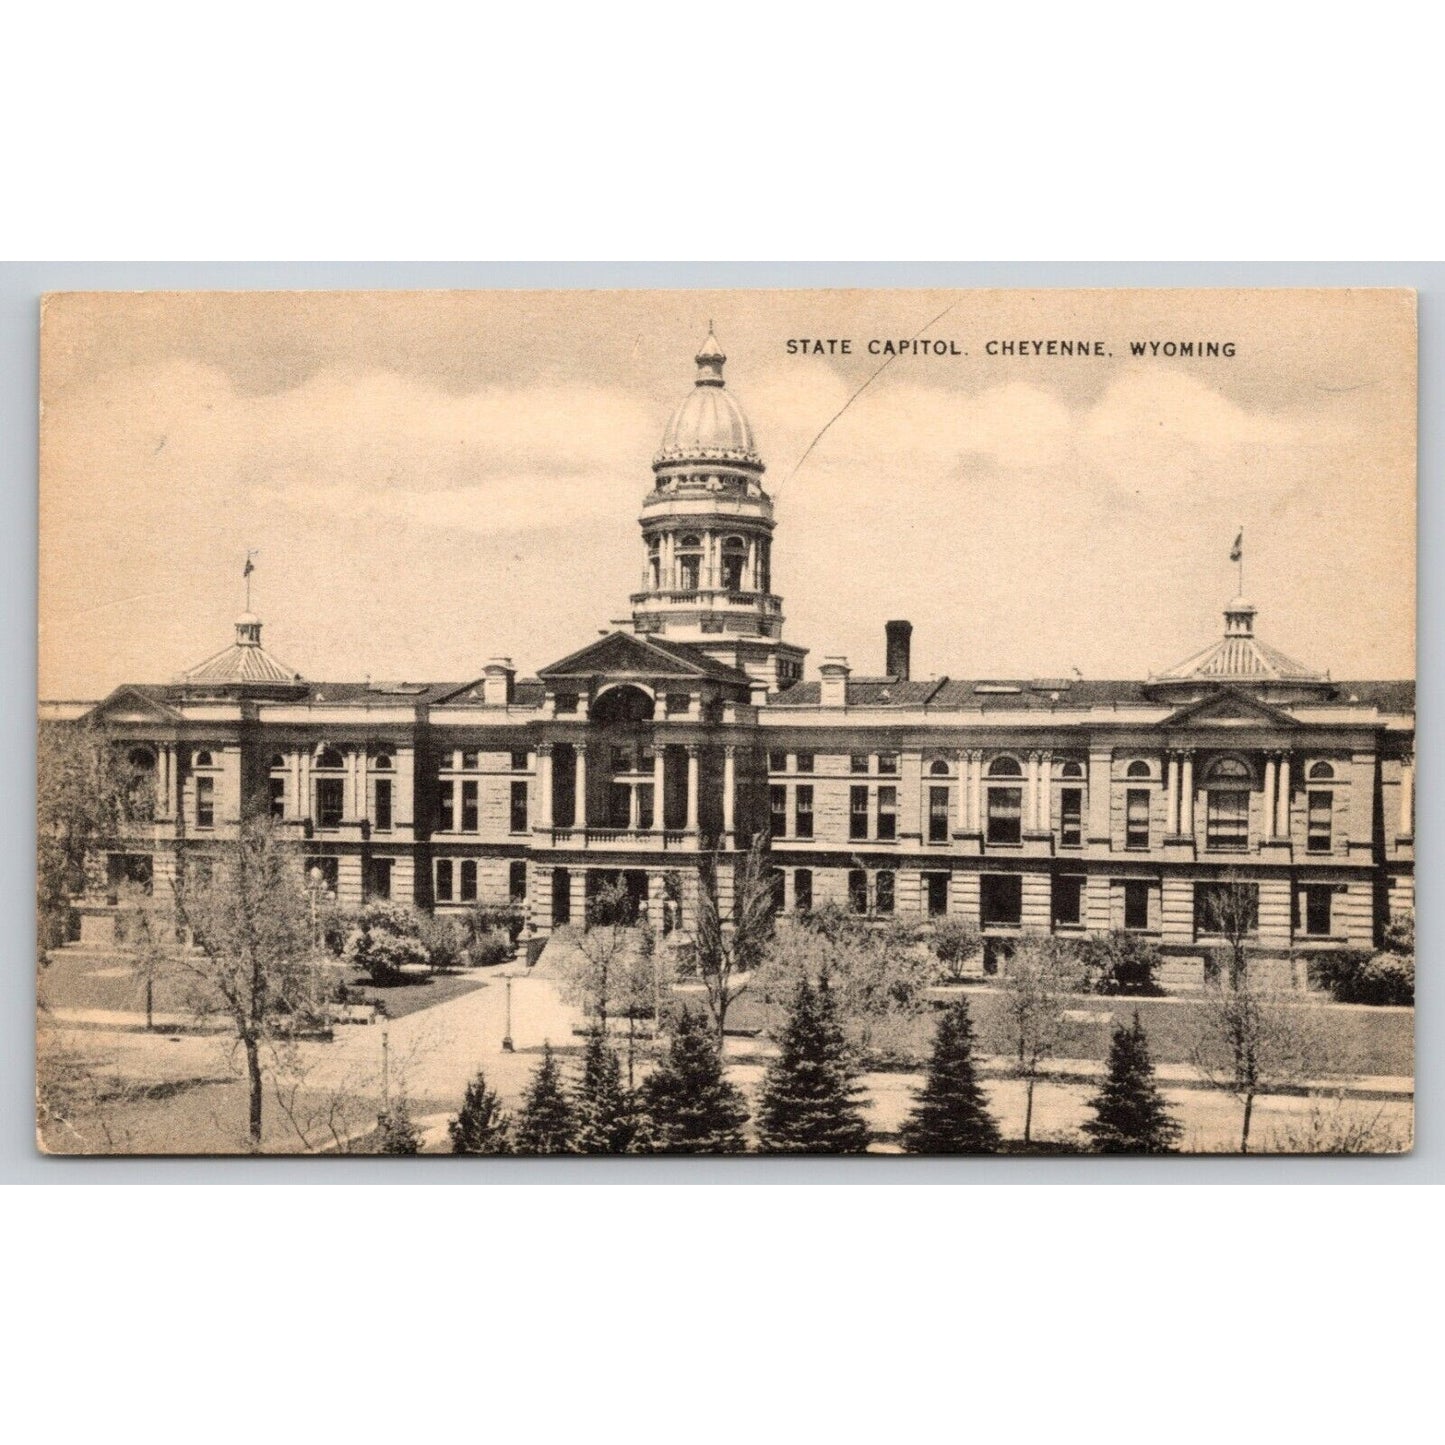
[{"x": 432, "y": 479}]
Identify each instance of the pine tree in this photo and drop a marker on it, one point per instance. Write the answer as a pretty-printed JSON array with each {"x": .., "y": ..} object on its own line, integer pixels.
[
  {"x": 691, "y": 1107},
  {"x": 606, "y": 1112},
  {"x": 950, "y": 1114},
  {"x": 810, "y": 1102},
  {"x": 481, "y": 1126},
  {"x": 547, "y": 1125},
  {"x": 1131, "y": 1114},
  {"x": 395, "y": 1131}
]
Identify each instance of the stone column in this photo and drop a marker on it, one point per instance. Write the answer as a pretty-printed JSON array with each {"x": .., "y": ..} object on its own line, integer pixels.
[
  {"x": 544, "y": 784},
  {"x": 729, "y": 788},
  {"x": 750, "y": 583},
  {"x": 1269, "y": 796},
  {"x": 659, "y": 786},
  {"x": 579, "y": 787},
  {"x": 363, "y": 803},
  {"x": 634, "y": 811},
  {"x": 1046, "y": 788},
  {"x": 692, "y": 787},
  {"x": 1101, "y": 763},
  {"x": 1406, "y": 827},
  {"x": 1281, "y": 819},
  {"x": 975, "y": 794},
  {"x": 1171, "y": 815},
  {"x": 1186, "y": 817}
]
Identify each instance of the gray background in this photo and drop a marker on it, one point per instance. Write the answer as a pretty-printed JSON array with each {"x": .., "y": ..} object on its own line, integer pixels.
[{"x": 21, "y": 285}]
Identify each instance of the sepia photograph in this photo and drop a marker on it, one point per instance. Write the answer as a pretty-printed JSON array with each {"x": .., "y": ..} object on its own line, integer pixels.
[{"x": 727, "y": 722}]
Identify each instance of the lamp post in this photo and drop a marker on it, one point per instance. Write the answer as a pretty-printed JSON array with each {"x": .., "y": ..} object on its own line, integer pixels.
[
  {"x": 507, "y": 1046},
  {"x": 315, "y": 879}
]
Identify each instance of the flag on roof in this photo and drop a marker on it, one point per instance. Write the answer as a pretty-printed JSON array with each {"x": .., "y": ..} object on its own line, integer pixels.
[{"x": 1236, "y": 552}]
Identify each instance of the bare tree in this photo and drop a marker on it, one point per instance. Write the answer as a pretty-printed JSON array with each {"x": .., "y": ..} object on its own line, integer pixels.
[
  {"x": 250, "y": 923},
  {"x": 1249, "y": 1038},
  {"x": 1035, "y": 984},
  {"x": 731, "y": 946},
  {"x": 593, "y": 977},
  {"x": 1231, "y": 910}
]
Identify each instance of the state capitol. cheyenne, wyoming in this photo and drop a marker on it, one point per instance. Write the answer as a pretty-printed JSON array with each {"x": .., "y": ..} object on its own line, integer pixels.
[{"x": 1023, "y": 805}]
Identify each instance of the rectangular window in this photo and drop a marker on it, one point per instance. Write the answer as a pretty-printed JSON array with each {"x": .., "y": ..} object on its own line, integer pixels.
[
  {"x": 1136, "y": 818},
  {"x": 778, "y": 810},
  {"x": 1317, "y": 900},
  {"x": 1227, "y": 820},
  {"x": 205, "y": 802},
  {"x": 777, "y": 762},
  {"x": 888, "y": 763},
  {"x": 379, "y": 880},
  {"x": 1071, "y": 817},
  {"x": 129, "y": 869},
  {"x": 1005, "y": 815},
  {"x": 469, "y": 880},
  {"x": 329, "y": 799},
  {"x": 566, "y": 702},
  {"x": 1136, "y": 904},
  {"x": 803, "y": 812},
  {"x": 887, "y": 813},
  {"x": 444, "y": 880},
  {"x": 469, "y": 807},
  {"x": 518, "y": 821},
  {"x": 678, "y": 703},
  {"x": 382, "y": 808},
  {"x": 1001, "y": 900},
  {"x": 278, "y": 797},
  {"x": 520, "y": 758},
  {"x": 937, "y": 884},
  {"x": 858, "y": 763},
  {"x": 777, "y": 887},
  {"x": 1321, "y": 822},
  {"x": 621, "y": 759},
  {"x": 857, "y": 890},
  {"x": 1068, "y": 900},
  {"x": 517, "y": 880},
  {"x": 883, "y": 892},
  {"x": 803, "y": 890},
  {"x": 858, "y": 812},
  {"x": 445, "y": 793},
  {"x": 1224, "y": 908},
  {"x": 644, "y": 805},
  {"x": 805, "y": 762},
  {"x": 471, "y": 759},
  {"x": 938, "y": 815}
]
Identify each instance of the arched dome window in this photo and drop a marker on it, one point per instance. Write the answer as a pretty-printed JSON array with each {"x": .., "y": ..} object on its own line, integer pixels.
[
  {"x": 1229, "y": 772},
  {"x": 1005, "y": 768},
  {"x": 938, "y": 768},
  {"x": 689, "y": 563},
  {"x": 1321, "y": 772},
  {"x": 1138, "y": 769},
  {"x": 203, "y": 760},
  {"x": 734, "y": 559},
  {"x": 1071, "y": 769},
  {"x": 328, "y": 757},
  {"x": 382, "y": 762}
]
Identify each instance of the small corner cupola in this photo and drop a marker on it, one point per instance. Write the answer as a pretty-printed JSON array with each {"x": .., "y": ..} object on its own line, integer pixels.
[
  {"x": 710, "y": 361},
  {"x": 1239, "y": 618},
  {"x": 248, "y": 630}
]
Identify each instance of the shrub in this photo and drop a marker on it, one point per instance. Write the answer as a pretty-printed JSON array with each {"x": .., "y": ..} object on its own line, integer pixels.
[
  {"x": 1353, "y": 976},
  {"x": 487, "y": 918},
  {"x": 1120, "y": 963},
  {"x": 385, "y": 940},
  {"x": 445, "y": 940},
  {"x": 954, "y": 942},
  {"x": 1400, "y": 933},
  {"x": 488, "y": 949}
]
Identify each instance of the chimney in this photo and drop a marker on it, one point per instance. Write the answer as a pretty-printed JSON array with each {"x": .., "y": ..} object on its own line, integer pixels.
[
  {"x": 899, "y": 635},
  {"x": 498, "y": 677},
  {"x": 834, "y": 689}
]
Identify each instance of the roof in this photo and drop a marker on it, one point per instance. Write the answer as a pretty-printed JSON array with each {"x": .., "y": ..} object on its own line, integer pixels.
[
  {"x": 629, "y": 654},
  {"x": 240, "y": 663},
  {"x": 1243, "y": 657}
]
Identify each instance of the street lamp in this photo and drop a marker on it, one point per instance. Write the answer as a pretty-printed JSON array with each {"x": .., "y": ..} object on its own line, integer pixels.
[
  {"x": 507, "y": 1045},
  {"x": 315, "y": 878}
]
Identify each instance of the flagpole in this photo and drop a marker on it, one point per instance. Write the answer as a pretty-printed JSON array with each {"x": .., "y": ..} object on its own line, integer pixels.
[{"x": 1241, "y": 560}]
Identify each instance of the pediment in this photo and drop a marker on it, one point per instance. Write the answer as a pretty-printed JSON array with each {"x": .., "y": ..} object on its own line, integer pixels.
[
  {"x": 622, "y": 655},
  {"x": 130, "y": 705},
  {"x": 1226, "y": 707}
]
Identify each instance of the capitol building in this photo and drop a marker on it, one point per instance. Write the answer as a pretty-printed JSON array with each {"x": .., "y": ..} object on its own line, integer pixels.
[{"x": 1023, "y": 805}]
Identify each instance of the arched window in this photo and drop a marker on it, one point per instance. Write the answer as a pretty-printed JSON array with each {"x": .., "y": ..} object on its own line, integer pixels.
[
  {"x": 1229, "y": 772},
  {"x": 141, "y": 760},
  {"x": 328, "y": 757},
  {"x": 654, "y": 563},
  {"x": 1071, "y": 769},
  {"x": 1321, "y": 772},
  {"x": 203, "y": 760},
  {"x": 938, "y": 768},
  {"x": 689, "y": 563},
  {"x": 277, "y": 761},
  {"x": 382, "y": 762},
  {"x": 1005, "y": 768},
  {"x": 1138, "y": 769},
  {"x": 734, "y": 559}
]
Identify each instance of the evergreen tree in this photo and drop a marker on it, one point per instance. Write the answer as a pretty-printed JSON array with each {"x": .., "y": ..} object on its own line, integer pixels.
[
  {"x": 950, "y": 1114},
  {"x": 1131, "y": 1114},
  {"x": 691, "y": 1107},
  {"x": 810, "y": 1102},
  {"x": 395, "y": 1131},
  {"x": 606, "y": 1112},
  {"x": 481, "y": 1126},
  {"x": 547, "y": 1125}
]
